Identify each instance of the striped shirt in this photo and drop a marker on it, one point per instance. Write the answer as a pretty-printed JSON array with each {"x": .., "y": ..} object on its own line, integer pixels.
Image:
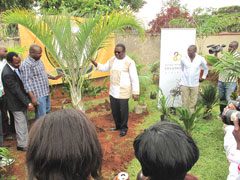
[
  {"x": 34, "y": 77},
  {"x": 123, "y": 77}
]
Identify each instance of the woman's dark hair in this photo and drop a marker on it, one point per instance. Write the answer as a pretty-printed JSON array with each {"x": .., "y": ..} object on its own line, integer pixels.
[
  {"x": 63, "y": 145},
  {"x": 165, "y": 152}
]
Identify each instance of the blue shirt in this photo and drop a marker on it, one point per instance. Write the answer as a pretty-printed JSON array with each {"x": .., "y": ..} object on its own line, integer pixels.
[{"x": 34, "y": 77}]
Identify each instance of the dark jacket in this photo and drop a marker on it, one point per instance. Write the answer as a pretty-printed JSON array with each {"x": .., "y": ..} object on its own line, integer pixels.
[{"x": 16, "y": 97}]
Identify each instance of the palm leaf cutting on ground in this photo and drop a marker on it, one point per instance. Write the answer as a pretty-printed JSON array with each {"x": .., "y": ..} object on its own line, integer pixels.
[{"x": 71, "y": 49}]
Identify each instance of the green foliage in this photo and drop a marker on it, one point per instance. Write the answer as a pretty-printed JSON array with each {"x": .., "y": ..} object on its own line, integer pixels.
[
  {"x": 204, "y": 133},
  {"x": 91, "y": 91},
  {"x": 172, "y": 14},
  {"x": 211, "y": 59},
  {"x": 234, "y": 96},
  {"x": 10, "y": 4},
  {"x": 18, "y": 49},
  {"x": 145, "y": 79},
  {"x": 228, "y": 63},
  {"x": 208, "y": 98},
  {"x": 215, "y": 21},
  {"x": 6, "y": 154},
  {"x": 134, "y": 4},
  {"x": 72, "y": 50},
  {"x": 86, "y": 7},
  {"x": 155, "y": 67},
  {"x": 163, "y": 102},
  {"x": 187, "y": 119},
  {"x": 8, "y": 30}
]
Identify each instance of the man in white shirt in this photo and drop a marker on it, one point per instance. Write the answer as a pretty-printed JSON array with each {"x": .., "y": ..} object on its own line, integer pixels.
[
  {"x": 124, "y": 82},
  {"x": 191, "y": 67}
]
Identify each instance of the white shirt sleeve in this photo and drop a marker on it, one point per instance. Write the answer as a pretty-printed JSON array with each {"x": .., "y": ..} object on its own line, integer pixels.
[
  {"x": 205, "y": 68},
  {"x": 103, "y": 67},
  {"x": 134, "y": 78}
]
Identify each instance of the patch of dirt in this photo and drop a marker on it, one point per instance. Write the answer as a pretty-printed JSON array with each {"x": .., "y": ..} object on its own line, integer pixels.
[
  {"x": 117, "y": 151},
  {"x": 101, "y": 107},
  {"x": 104, "y": 94}
]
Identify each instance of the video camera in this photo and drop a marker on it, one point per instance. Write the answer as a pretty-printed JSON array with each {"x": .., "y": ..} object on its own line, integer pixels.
[
  {"x": 215, "y": 48},
  {"x": 226, "y": 118}
]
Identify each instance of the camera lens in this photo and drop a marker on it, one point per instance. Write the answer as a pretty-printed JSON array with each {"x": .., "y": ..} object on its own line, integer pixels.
[{"x": 210, "y": 51}]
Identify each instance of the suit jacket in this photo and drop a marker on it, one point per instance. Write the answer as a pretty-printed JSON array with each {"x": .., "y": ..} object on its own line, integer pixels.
[{"x": 16, "y": 97}]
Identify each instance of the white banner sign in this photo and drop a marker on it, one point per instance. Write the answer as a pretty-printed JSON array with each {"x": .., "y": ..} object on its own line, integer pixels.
[{"x": 174, "y": 45}]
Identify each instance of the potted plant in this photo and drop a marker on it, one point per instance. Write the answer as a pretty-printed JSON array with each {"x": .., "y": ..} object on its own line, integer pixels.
[
  {"x": 175, "y": 92},
  {"x": 145, "y": 80},
  {"x": 154, "y": 69},
  {"x": 153, "y": 95}
]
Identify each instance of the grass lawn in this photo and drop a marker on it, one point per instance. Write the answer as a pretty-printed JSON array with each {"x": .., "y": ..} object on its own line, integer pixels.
[{"x": 208, "y": 135}]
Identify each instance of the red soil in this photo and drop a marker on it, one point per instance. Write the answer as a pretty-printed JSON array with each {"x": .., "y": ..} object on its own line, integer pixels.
[{"x": 117, "y": 151}]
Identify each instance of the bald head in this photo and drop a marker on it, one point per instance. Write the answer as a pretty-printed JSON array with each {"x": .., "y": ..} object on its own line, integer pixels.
[
  {"x": 233, "y": 46},
  {"x": 35, "y": 51},
  {"x": 3, "y": 52},
  {"x": 34, "y": 47},
  {"x": 192, "y": 49}
]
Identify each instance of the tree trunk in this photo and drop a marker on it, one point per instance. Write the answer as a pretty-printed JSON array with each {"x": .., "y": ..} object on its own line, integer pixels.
[{"x": 77, "y": 99}]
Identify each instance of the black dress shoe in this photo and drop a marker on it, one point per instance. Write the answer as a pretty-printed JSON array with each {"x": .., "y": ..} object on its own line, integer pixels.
[
  {"x": 114, "y": 129},
  {"x": 21, "y": 148},
  {"x": 123, "y": 133}
]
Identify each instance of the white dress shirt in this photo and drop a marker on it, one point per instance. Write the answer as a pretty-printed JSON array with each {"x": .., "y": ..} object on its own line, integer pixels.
[
  {"x": 2, "y": 64},
  {"x": 191, "y": 70},
  {"x": 123, "y": 77},
  {"x": 233, "y": 155}
]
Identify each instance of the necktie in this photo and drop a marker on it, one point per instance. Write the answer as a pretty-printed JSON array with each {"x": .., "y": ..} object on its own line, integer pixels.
[{"x": 18, "y": 73}]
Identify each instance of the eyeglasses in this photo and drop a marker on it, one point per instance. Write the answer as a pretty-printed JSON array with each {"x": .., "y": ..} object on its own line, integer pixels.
[{"x": 117, "y": 52}]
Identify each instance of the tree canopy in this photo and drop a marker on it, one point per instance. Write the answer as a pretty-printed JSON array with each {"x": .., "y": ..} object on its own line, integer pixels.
[
  {"x": 207, "y": 21},
  {"x": 9, "y": 4},
  {"x": 89, "y": 6},
  {"x": 171, "y": 10}
]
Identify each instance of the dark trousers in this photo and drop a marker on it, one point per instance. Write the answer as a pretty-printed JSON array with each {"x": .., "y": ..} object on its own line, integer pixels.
[
  {"x": 120, "y": 112},
  {"x": 7, "y": 128}
]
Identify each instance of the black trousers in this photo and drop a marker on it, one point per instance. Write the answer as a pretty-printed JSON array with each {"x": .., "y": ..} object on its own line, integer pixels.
[
  {"x": 7, "y": 128},
  {"x": 120, "y": 112}
]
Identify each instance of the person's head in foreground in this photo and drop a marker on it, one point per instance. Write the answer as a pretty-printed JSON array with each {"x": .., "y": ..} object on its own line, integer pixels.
[
  {"x": 63, "y": 145},
  {"x": 165, "y": 152}
]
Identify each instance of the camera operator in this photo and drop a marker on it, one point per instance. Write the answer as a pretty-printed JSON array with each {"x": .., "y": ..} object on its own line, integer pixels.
[
  {"x": 227, "y": 86},
  {"x": 232, "y": 145}
]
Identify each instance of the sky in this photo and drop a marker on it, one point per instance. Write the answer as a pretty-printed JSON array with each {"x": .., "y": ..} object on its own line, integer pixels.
[{"x": 149, "y": 10}]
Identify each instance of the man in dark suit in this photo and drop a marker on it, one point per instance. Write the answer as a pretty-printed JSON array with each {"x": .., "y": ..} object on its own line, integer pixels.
[{"x": 17, "y": 99}]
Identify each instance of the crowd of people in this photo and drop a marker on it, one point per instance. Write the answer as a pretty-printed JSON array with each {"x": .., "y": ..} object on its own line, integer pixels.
[{"x": 64, "y": 144}]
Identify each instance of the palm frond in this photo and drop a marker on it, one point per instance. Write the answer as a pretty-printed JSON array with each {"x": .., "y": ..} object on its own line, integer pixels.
[{"x": 72, "y": 50}]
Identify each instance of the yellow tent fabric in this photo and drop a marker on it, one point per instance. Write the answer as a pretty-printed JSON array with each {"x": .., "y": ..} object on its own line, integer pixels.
[{"x": 27, "y": 38}]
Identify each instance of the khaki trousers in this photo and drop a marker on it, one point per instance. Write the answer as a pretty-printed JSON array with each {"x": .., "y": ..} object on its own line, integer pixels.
[{"x": 189, "y": 97}]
